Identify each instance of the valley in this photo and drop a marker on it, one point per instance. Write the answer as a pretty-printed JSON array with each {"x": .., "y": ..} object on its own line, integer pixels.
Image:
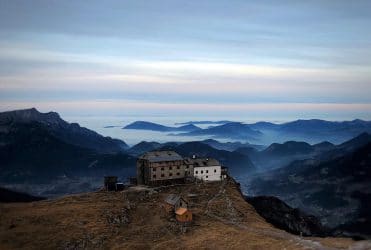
[{"x": 45, "y": 156}]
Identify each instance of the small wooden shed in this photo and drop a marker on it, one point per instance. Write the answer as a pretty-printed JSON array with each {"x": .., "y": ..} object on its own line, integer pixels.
[
  {"x": 183, "y": 215},
  {"x": 173, "y": 202},
  {"x": 110, "y": 183}
]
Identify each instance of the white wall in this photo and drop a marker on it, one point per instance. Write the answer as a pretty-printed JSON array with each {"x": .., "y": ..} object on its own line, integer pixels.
[{"x": 211, "y": 173}]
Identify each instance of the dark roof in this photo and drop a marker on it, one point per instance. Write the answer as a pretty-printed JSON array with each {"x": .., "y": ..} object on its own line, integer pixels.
[
  {"x": 172, "y": 199},
  {"x": 158, "y": 156},
  {"x": 203, "y": 162}
]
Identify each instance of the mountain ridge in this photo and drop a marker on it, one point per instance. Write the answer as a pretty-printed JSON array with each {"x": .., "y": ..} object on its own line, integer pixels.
[
  {"x": 144, "y": 125},
  {"x": 68, "y": 132}
]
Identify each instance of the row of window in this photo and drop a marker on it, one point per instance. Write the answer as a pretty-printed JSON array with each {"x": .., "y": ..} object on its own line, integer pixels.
[
  {"x": 167, "y": 164},
  {"x": 207, "y": 171},
  {"x": 170, "y": 168},
  {"x": 163, "y": 175}
]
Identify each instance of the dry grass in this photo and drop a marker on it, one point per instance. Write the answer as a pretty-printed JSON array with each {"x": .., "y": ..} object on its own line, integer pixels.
[{"x": 135, "y": 219}]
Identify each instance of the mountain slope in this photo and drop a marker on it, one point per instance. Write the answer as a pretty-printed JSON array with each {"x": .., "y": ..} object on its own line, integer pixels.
[
  {"x": 143, "y": 147},
  {"x": 30, "y": 152},
  {"x": 135, "y": 219},
  {"x": 7, "y": 195},
  {"x": 70, "y": 133}
]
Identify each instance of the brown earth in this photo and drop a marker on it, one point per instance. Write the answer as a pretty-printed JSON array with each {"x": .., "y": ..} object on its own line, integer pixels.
[{"x": 135, "y": 219}]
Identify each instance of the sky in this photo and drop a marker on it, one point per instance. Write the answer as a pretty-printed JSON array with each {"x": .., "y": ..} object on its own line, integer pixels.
[{"x": 259, "y": 60}]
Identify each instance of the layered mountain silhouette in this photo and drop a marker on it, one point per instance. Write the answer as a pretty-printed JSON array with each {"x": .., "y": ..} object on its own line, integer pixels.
[
  {"x": 230, "y": 146},
  {"x": 236, "y": 162},
  {"x": 312, "y": 131},
  {"x": 334, "y": 185},
  {"x": 203, "y": 122},
  {"x": 145, "y": 146},
  {"x": 143, "y": 125},
  {"x": 229, "y": 130}
]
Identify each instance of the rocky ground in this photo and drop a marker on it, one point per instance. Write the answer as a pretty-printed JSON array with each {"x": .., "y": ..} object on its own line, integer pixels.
[{"x": 135, "y": 219}]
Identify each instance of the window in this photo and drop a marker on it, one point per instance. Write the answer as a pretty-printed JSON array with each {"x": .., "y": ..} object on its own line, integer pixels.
[
  {"x": 177, "y": 173},
  {"x": 207, "y": 176},
  {"x": 202, "y": 171},
  {"x": 177, "y": 167},
  {"x": 214, "y": 170},
  {"x": 186, "y": 215},
  {"x": 154, "y": 176},
  {"x": 162, "y": 168},
  {"x": 154, "y": 169},
  {"x": 170, "y": 168},
  {"x": 170, "y": 174},
  {"x": 207, "y": 171},
  {"x": 196, "y": 172},
  {"x": 162, "y": 175}
]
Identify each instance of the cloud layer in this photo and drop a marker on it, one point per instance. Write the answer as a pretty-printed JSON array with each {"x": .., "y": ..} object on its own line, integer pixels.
[{"x": 273, "y": 60}]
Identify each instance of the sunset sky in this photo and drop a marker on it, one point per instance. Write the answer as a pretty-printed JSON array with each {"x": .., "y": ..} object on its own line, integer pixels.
[{"x": 263, "y": 59}]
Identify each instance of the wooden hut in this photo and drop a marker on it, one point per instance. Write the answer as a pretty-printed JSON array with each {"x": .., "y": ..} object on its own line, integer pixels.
[
  {"x": 110, "y": 183},
  {"x": 183, "y": 215},
  {"x": 173, "y": 202}
]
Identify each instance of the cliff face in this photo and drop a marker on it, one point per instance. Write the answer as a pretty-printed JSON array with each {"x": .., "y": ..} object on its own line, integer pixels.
[
  {"x": 135, "y": 219},
  {"x": 285, "y": 217}
]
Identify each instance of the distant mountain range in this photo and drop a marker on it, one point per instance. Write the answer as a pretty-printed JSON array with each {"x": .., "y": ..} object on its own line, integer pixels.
[
  {"x": 311, "y": 131},
  {"x": 203, "y": 122},
  {"x": 142, "y": 125},
  {"x": 278, "y": 155},
  {"x": 334, "y": 185},
  {"x": 231, "y": 146},
  {"x": 233, "y": 130}
]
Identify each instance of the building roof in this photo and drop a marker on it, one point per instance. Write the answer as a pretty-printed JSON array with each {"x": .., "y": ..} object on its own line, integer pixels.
[
  {"x": 172, "y": 199},
  {"x": 158, "y": 156},
  {"x": 181, "y": 211},
  {"x": 203, "y": 162}
]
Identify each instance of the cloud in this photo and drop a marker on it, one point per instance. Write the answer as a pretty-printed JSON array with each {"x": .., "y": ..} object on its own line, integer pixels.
[{"x": 240, "y": 55}]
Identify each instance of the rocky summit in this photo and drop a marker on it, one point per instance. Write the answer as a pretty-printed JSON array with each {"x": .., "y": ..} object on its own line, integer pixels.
[{"x": 135, "y": 219}]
